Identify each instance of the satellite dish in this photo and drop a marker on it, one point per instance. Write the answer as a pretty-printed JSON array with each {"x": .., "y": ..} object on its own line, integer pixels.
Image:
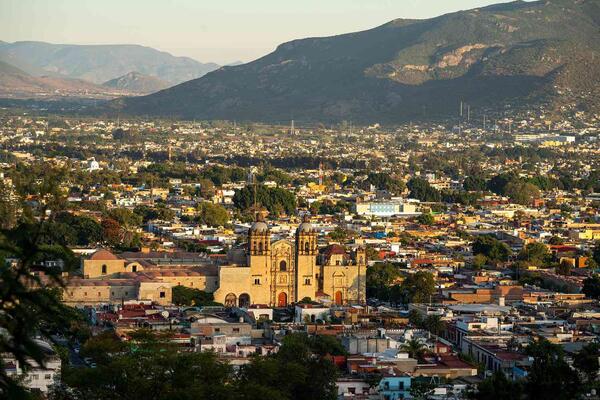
[{"x": 165, "y": 314}]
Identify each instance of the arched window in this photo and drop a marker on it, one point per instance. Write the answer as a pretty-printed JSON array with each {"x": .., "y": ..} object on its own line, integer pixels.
[
  {"x": 307, "y": 247},
  {"x": 283, "y": 265},
  {"x": 230, "y": 300},
  {"x": 104, "y": 269},
  {"x": 260, "y": 247},
  {"x": 134, "y": 268}
]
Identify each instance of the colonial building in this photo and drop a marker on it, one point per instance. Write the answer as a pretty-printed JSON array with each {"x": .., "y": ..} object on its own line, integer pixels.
[{"x": 274, "y": 273}]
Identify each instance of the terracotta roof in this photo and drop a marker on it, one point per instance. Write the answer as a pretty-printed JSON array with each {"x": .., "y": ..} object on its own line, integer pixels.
[{"x": 103, "y": 255}]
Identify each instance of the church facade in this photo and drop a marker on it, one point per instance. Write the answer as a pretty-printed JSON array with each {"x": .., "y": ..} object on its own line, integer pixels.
[
  {"x": 277, "y": 273},
  {"x": 269, "y": 272}
]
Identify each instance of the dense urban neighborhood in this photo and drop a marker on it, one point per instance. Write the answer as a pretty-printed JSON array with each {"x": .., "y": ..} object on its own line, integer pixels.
[{"x": 448, "y": 260}]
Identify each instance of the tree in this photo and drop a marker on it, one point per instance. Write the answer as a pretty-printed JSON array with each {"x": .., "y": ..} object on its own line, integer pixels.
[
  {"x": 586, "y": 360},
  {"x": 535, "y": 254},
  {"x": 556, "y": 240},
  {"x": 379, "y": 278},
  {"x": 212, "y": 214},
  {"x": 111, "y": 232},
  {"x": 474, "y": 184},
  {"x": 184, "y": 296},
  {"x": 385, "y": 181},
  {"x": 479, "y": 261},
  {"x": 492, "y": 248},
  {"x": 522, "y": 192},
  {"x": 276, "y": 200},
  {"x": 415, "y": 348},
  {"x": 30, "y": 306},
  {"x": 591, "y": 286},
  {"x": 125, "y": 217},
  {"x": 297, "y": 371},
  {"x": 498, "y": 386},
  {"x": 425, "y": 219},
  {"x": 419, "y": 287},
  {"x": 421, "y": 389},
  {"x": 596, "y": 253},
  {"x": 550, "y": 377},
  {"x": 148, "y": 367},
  {"x": 422, "y": 190},
  {"x": 434, "y": 324},
  {"x": 564, "y": 268}
]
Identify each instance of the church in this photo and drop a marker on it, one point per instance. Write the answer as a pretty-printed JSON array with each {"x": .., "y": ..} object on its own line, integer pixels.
[
  {"x": 264, "y": 271},
  {"x": 277, "y": 273}
]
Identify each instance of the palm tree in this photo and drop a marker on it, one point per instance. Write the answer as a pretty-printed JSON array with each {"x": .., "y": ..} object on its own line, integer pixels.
[
  {"x": 434, "y": 324},
  {"x": 415, "y": 348}
]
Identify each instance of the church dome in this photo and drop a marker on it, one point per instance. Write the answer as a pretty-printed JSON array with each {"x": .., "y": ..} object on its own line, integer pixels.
[
  {"x": 259, "y": 226},
  {"x": 305, "y": 226}
]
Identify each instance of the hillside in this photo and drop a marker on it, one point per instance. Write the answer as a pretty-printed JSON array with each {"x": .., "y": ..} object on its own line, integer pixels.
[
  {"x": 101, "y": 63},
  {"x": 516, "y": 53},
  {"x": 134, "y": 82},
  {"x": 17, "y": 84}
]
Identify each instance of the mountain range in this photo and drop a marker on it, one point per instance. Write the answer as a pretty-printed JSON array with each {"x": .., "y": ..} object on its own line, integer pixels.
[
  {"x": 134, "y": 82},
  {"x": 100, "y": 63},
  {"x": 517, "y": 54},
  {"x": 18, "y": 84}
]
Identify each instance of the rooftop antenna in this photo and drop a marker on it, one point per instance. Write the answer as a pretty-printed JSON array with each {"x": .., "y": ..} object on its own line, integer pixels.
[
  {"x": 484, "y": 122},
  {"x": 468, "y": 113},
  {"x": 461, "y": 108},
  {"x": 292, "y": 128}
]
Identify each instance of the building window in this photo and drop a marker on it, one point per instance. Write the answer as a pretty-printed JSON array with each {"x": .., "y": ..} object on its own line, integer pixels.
[
  {"x": 134, "y": 268},
  {"x": 99, "y": 294},
  {"x": 162, "y": 295},
  {"x": 217, "y": 329},
  {"x": 257, "y": 281},
  {"x": 307, "y": 247},
  {"x": 126, "y": 293},
  {"x": 112, "y": 293},
  {"x": 84, "y": 293},
  {"x": 104, "y": 269},
  {"x": 236, "y": 329},
  {"x": 48, "y": 376},
  {"x": 283, "y": 266},
  {"x": 307, "y": 281}
]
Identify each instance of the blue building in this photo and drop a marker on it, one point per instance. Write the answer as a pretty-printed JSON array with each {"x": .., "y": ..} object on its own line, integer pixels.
[{"x": 394, "y": 387}]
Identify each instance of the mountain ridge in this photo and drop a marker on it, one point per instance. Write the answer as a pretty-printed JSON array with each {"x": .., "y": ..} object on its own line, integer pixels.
[
  {"x": 508, "y": 53},
  {"x": 102, "y": 62}
]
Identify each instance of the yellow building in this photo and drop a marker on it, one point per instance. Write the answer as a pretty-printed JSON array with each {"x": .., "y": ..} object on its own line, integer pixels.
[
  {"x": 273, "y": 273},
  {"x": 281, "y": 272}
]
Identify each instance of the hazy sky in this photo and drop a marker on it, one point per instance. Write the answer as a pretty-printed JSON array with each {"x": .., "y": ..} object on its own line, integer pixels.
[{"x": 221, "y": 30}]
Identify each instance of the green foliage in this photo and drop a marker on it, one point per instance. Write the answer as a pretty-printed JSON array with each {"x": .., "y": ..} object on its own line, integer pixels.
[
  {"x": 276, "y": 200},
  {"x": 385, "y": 181},
  {"x": 587, "y": 360},
  {"x": 148, "y": 367},
  {"x": 125, "y": 217},
  {"x": 498, "y": 386},
  {"x": 425, "y": 219},
  {"x": 159, "y": 212},
  {"x": 550, "y": 377},
  {"x": 422, "y": 190},
  {"x": 492, "y": 248},
  {"x": 415, "y": 348},
  {"x": 521, "y": 192},
  {"x": 212, "y": 214},
  {"x": 591, "y": 286},
  {"x": 418, "y": 287},
  {"x": 474, "y": 184},
  {"x": 184, "y": 296},
  {"x": 535, "y": 254},
  {"x": 30, "y": 305},
  {"x": 379, "y": 279},
  {"x": 421, "y": 389},
  {"x": 596, "y": 253}
]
